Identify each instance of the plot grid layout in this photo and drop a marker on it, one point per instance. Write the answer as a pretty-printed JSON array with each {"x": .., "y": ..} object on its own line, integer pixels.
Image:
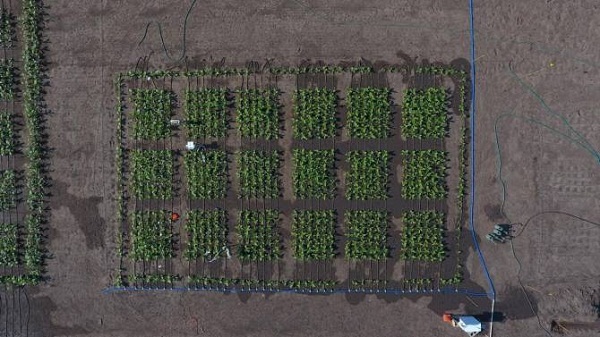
[{"x": 317, "y": 179}]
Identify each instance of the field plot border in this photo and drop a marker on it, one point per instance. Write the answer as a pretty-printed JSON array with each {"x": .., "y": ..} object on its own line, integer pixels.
[{"x": 448, "y": 285}]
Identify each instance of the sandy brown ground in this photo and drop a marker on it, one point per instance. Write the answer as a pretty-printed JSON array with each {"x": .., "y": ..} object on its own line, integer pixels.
[{"x": 92, "y": 40}]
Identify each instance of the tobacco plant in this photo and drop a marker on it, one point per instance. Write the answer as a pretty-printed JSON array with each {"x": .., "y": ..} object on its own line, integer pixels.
[
  {"x": 7, "y": 142},
  {"x": 258, "y": 113},
  {"x": 9, "y": 235},
  {"x": 7, "y": 79},
  {"x": 424, "y": 113},
  {"x": 313, "y": 235},
  {"x": 8, "y": 190},
  {"x": 313, "y": 175},
  {"x": 422, "y": 236},
  {"x": 368, "y": 177},
  {"x": 257, "y": 235},
  {"x": 152, "y": 174},
  {"x": 207, "y": 234},
  {"x": 151, "y": 236},
  {"x": 259, "y": 174},
  {"x": 206, "y": 173},
  {"x": 369, "y": 113},
  {"x": 424, "y": 174},
  {"x": 314, "y": 113},
  {"x": 152, "y": 113},
  {"x": 206, "y": 113},
  {"x": 367, "y": 235}
]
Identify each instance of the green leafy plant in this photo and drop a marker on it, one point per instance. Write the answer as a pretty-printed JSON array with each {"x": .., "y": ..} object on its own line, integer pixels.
[
  {"x": 259, "y": 174},
  {"x": 258, "y": 239},
  {"x": 7, "y": 28},
  {"x": 9, "y": 235},
  {"x": 7, "y": 79},
  {"x": 369, "y": 113},
  {"x": 154, "y": 280},
  {"x": 8, "y": 190},
  {"x": 424, "y": 174},
  {"x": 313, "y": 235},
  {"x": 313, "y": 175},
  {"x": 422, "y": 236},
  {"x": 368, "y": 177},
  {"x": 152, "y": 113},
  {"x": 152, "y": 174},
  {"x": 258, "y": 113},
  {"x": 314, "y": 113},
  {"x": 7, "y": 142},
  {"x": 151, "y": 236},
  {"x": 424, "y": 113},
  {"x": 206, "y": 113},
  {"x": 367, "y": 235},
  {"x": 207, "y": 234},
  {"x": 206, "y": 173}
]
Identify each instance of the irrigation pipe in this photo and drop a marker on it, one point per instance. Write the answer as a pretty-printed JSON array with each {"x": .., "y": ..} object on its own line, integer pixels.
[{"x": 162, "y": 40}]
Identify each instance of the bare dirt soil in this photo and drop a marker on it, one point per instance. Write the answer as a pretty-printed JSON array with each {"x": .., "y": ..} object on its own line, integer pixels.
[{"x": 549, "y": 44}]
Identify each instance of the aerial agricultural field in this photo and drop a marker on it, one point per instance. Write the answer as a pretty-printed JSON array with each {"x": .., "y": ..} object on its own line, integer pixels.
[{"x": 298, "y": 168}]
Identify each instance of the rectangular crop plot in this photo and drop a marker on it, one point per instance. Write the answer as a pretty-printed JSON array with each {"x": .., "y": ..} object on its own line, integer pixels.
[
  {"x": 422, "y": 236},
  {"x": 8, "y": 188},
  {"x": 151, "y": 236},
  {"x": 9, "y": 235},
  {"x": 258, "y": 238},
  {"x": 206, "y": 174},
  {"x": 7, "y": 79},
  {"x": 6, "y": 134},
  {"x": 207, "y": 234},
  {"x": 152, "y": 174},
  {"x": 369, "y": 113},
  {"x": 367, "y": 235},
  {"x": 368, "y": 177},
  {"x": 206, "y": 113},
  {"x": 314, "y": 113},
  {"x": 313, "y": 175},
  {"x": 258, "y": 113},
  {"x": 313, "y": 235},
  {"x": 259, "y": 174},
  {"x": 424, "y": 174},
  {"x": 152, "y": 113},
  {"x": 424, "y": 113}
]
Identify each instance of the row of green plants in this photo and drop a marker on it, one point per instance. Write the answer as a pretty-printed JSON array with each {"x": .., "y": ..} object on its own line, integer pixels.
[
  {"x": 368, "y": 177},
  {"x": 8, "y": 190},
  {"x": 288, "y": 70},
  {"x": 313, "y": 235},
  {"x": 7, "y": 28},
  {"x": 8, "y": 81},
  {"x": 121, "y": 216},
  {"x": 368, "y": 283},
  {"x": 154, "y": 280},
  {"x": 7, "y": 134},
  {"x": 206, "y": 173},
  {"x": 257, "y": 235},
  {"x": 314, "y": 113},
  {"x": 424, "y": 113},
  {"x": 152, "y": 113},
  {"x": 423, "y": 236},
  {"x": 35, "y": 186},
  {"x": 369, "y": 112},
  {"x": 258, "y": 172},
  {"x": 151, "y": 174},
  {"x": 366, "y": 234},
  {"x": 221, "y": 282},
  {"x": 313, "y": 174},
  {"x": 424, "y": 174},
  {"x": 151, "y": 235},
  {"x": 258, "y": 113},
  {"x": 9, "y": 244},
  {"x": 207, "y": 234},
  {"x": 206, "y": 113}
]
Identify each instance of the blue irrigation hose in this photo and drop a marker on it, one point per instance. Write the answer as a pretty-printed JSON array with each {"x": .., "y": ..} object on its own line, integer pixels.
[{"x": 492, "y": 291}]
